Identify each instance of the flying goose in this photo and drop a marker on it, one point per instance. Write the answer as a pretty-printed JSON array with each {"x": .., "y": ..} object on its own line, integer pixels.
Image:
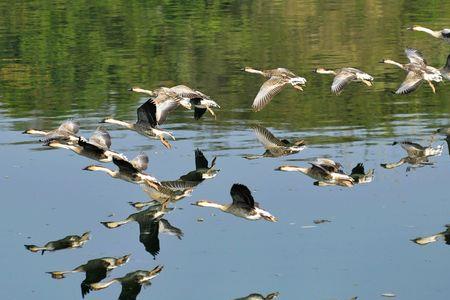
[
  {"x": 243, "y": 205},
  {"x": 417, "y": 71},
  {"x": 97, "y": 147},
  {"x": 417, "y": 155},
  {"x": 274, "y": 146},
  {"x": 326, "y": 171},
  {"x": 278, "y": 78},
  {"x": 131, "y": 282},
  {"x": 70, "y": 241},
  {"x": 67, "y": 131},
  {"x": 131, "y": 171},
  {"x": 342, "y": 77},
  {"x": 146, "y": 124},
  {"x": 443, "y": 34},
  {"x": 96, "y": 270}
]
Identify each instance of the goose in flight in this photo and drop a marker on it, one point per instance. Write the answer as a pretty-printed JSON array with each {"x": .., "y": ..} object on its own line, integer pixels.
[
  {"x": 146, "y": 124},
  {"x": 417, "y": 71},
  {"x": 243, "y": 205},
  {"x": 342, "y": 77},
  {"x": 131, "y": 171},
  {"x": 278, "y": 78},
  {"x": 131, "y": 283},
  {"x": 96, "y": 270},
  {"x": 417, "y": 155},
  {"x": 274, "y": 146},
  {"x": 325, "y": 171},
  {"x": 66, "y": 132},
  {"x": 97, "y": 147},
  {"x": 443, "y": 34},
  {"x": 68, "y": 242},
  {"x": 151, "y": 224}
]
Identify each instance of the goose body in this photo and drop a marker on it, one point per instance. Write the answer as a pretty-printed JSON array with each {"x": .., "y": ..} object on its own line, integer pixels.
[
  {"x": 243, "y": 205},
  {"x": 67, "y": 132},
  {"x": 274, "y": 146},
  {"x": 96, "y": 148},
  {"x": 96, "y": 270},
  {"x": 325, "y": 171},
  {"x": 70, "y": 241},
  {"x": 146, "y": 123},
  {"x": 417, "y": 150},
  {"x": 342, "y": 77},
  {"x": 278, "y": 78},
  {"x": 417, "y": 72},
  {"x": 131, "y": 283},
  {"x": 443, "y": 34},
  {"x": 256, "y": 296}
]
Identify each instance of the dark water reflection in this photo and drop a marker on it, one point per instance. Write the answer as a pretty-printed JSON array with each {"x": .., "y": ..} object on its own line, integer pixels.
[{"x": 62, "y": 60}]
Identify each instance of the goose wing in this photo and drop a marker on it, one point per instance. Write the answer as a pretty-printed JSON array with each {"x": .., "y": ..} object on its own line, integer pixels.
[
  {"x": 198, "y": 112},
  {"x": 242, "y": 196},
  {"x": 93, "y": 275},
  {"x": 410, "y": 146},
  {"x": 166, "y": 227},
  {"x": 410, "y": 84},
  {"x": 186, "y": 92},
  {"x": 324, "y": 173},
  {"x": 130, "y": 289},
  {"x": 101, "y": 138},
  {"x": 266, "y": 138},
  {"x": 124, "y": 165},
  {"x": 358, "y": 169},
  {"x": 69, "y": 126},
  {"x": 341, "y": 80},
  {"x": 146, "y": 113},
  {"x": 200, "y": 160},
  {"x": 165, "y": 104},
  {"x": 267, "y": 91},
  {"x": 148, "y": 236},
  {"x": 328, "y": 164},
  {"x": 177, "y": 185},
  {"x": 415, "y": 56},
  {"x": 140, "y": 162}
]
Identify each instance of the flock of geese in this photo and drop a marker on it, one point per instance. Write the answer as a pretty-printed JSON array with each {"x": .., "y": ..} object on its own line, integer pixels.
[{"x": 154, "y": 112}]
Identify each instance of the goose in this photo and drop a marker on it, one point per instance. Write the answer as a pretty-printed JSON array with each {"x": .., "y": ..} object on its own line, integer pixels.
[
  {"x": 443, "y": 34},
  {"x": 414, "y": 161},
  {"x": 67, "y": 131},
  {"x": 417, "y": 71},
  {"x": 417, "y": 150},
  {"x": 434, "y": 237},
  {"x": 96, "y": 270},
  {"x": 243, "y": 205},
  {"x": 150, "y": 225},
  {"x": 278, "y": 78},
  {"x": 344, "y": 76},
  {"x": 445, "y": 70},
  {"x": 274, "y": 146},
  {"x": 70, "y": 241},
  {"x": 131, "y": 171},
  {"x": 97, "y": 147},
  {"x": 202, "y": 169},
  {"x": 197, "y": 99},
  {"x": 360, "y": 176},
  {"x": 146, "y": 124},
  {"x": 446, "y": 132},
  {"x": 326, "y": 171},
  {"x": 256, "y": 296},
  {"x": 131, "y": 282}
]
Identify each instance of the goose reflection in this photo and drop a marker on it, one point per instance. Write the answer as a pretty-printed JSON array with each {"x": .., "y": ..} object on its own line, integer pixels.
[
  {"x": 360, "y": 176},
  {"x": 96, "y": 270},
  {"x": 131, "y": 283},
  {"x": 68, "y": 242},
  {"x": 417, "y": 155},
  {"x": 202, "y": 169},
  {"x": 446, "y": 132},
  {"x": 151, "y": 224},
  {"x": 434, "y": 237},
  {"x": 256, "y": 296},
  {"x": 243, "y": 205},
  {"x": 325, "y": 171},
  {"x": 67, "y": 131},
  {"x": 146, "y": 124},
  {"x": 97, "y": 147},
  {"x": 274, "y": 146},
  {"x": 130, "y": 171}
]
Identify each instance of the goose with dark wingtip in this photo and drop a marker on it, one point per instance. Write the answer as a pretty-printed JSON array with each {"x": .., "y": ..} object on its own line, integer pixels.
[
  {"x": 243, "y": 205},
  {"x": 278, "y": 79},
  {"x": 66, "y": 132},
  {"x": 342, "y": 77}
]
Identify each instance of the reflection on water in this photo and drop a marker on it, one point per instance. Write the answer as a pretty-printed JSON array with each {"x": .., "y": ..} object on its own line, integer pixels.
[
  {"x": 68, "y": 242},
  {"x": 63, "y": 60},
  {"x": 256, "y": 296},
  {"x": 434, "y": 237}
]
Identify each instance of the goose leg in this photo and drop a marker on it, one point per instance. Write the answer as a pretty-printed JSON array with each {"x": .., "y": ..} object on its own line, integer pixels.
[
  {"x": 367, "y": 82},
  {"x": 212, "y": 112},
  {"x": 165, "y": 142},
  {"x": 432, "y": 87}
]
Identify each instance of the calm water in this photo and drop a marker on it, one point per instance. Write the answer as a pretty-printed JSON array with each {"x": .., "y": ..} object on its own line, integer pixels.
[{"x": 76, "y": 60}]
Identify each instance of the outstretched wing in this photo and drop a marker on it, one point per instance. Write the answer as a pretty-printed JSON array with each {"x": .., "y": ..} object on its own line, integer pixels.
[
  {"x": 199, "y": 112},
  {"x": 341, "y": 80},
  {"x": 140, "y": 162},
  {"x": 101, "y": 138},
  {"x": 130, "y": 290},
  {"x": 92, "y": 276},
  {"x": 200, "y": 160},
  {"x": 69, "y": 126},
  {"x": 266, "y": 138},
  {"x": 415, "y": 56},
  {"x": 242, "y": 196},
  {"x": 148, "y": 236},
  {"x": 124, "y": 165},
  {"x": 267, "y": 91},
  {"x": 146, "y": 113},
  {"x": 410, "y": 84}
]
